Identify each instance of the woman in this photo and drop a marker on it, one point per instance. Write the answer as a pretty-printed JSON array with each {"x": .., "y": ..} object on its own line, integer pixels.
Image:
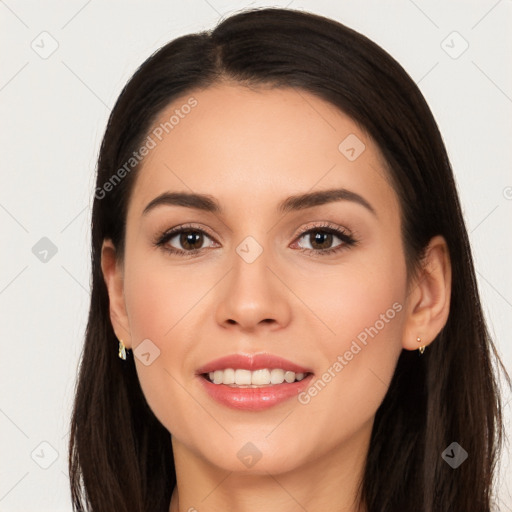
[{"x": 280, "y": 262}]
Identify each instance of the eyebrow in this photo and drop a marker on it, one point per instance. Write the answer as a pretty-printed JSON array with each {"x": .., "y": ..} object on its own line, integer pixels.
[{"x": 208, "y": 203}]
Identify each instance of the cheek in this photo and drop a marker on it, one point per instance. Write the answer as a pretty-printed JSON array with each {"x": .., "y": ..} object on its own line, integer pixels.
[
  {"x": 153, "y": 308},
  {"x": 363, "y": 295},
  {"x": 362, "y": 311},
  {"x": 161, "y": 303},
  {"x": 158, "y": 297}
]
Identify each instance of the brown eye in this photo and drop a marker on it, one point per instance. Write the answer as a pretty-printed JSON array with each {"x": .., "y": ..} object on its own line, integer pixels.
[
  {"x": 191, "y": 240},
  {"x": 320, "y": 240},
  {"x": 184, "y": 240}
]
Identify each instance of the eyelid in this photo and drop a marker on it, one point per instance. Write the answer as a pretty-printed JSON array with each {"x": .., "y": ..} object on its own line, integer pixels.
[
  {"x": 183, "y": 227},
  {"x": 311, "y": 226}
]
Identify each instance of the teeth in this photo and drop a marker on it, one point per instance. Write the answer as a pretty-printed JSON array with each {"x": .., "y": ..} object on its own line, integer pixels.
[
  {"x": 242, "y": 377},
  {"x": 260, "y": 377},
  {"x": 277, "y": 376},
  {"x": 263, "y": 377},
  {"x": 289, "y": 376},
  {"x": 229, "y": 376}
]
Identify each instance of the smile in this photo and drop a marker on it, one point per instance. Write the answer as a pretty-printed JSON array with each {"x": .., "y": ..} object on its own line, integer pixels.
[
  {"x": 257, "y": 378},
  {"x": 253, "y": 382}
]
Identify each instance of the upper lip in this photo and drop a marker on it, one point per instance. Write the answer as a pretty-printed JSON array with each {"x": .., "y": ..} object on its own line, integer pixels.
[{"x": 251, "y": 362}]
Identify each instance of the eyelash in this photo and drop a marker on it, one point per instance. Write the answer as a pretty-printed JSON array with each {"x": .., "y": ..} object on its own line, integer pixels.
[{"x": 344, "y": 236}]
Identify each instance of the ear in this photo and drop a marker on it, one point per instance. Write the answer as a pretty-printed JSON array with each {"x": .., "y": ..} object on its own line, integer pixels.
[
  {"x": 113, "y": 275},
  {"x": 428, "y": 300}
]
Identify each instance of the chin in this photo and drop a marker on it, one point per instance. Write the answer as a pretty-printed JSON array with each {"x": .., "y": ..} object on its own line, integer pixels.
[{"x": 256, "y": 456}]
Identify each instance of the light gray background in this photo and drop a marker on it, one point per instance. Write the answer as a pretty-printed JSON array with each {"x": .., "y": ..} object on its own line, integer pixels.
[{"x": 54, "y": 111}]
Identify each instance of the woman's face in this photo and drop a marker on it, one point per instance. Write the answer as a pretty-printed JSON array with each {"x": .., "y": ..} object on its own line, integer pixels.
[{"x": 263, "y": 281}]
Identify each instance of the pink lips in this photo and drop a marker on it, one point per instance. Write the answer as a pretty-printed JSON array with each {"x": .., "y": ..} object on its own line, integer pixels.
[
  {"x": 253, "y": 399},
  {"x": 248, "y": 362}
]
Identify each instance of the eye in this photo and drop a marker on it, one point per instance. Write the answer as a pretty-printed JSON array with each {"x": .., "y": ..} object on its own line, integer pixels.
[
  {"x": 321, "y": 238},
  {"x": 189, "y": 238}
]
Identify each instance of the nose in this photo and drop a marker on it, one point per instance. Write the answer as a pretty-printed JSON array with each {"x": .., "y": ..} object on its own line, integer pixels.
[{"x": 253, "y": 296}]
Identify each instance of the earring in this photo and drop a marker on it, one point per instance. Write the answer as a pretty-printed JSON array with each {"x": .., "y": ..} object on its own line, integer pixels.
[
  {"x": 122, "y": 350},
  {"x": 421, "y": 349}
]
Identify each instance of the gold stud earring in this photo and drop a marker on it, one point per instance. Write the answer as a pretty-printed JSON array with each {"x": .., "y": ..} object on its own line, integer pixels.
[
  {"x": 421, "y": 349},
  {"x": 122, "y": 350}
]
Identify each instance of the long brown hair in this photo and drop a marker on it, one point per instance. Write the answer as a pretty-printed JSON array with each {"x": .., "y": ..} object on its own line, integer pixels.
[{"x": 120, "y": 455}]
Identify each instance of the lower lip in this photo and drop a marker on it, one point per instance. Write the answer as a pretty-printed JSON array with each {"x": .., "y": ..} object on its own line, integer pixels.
[{"x": 254, "y": 399}]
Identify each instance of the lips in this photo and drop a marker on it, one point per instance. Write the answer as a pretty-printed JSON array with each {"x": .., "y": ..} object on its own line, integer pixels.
[
  {"x": 252, "y": 363},
  {"x": 253, "y": 397}
]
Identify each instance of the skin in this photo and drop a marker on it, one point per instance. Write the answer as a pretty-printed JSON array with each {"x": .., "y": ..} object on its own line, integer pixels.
[{"x": 251, "y": 149}]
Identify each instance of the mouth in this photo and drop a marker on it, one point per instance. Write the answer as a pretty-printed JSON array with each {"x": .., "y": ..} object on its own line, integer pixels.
[
  {"x": 265, "y": 377},
  {"x": 253, "y": 382}
]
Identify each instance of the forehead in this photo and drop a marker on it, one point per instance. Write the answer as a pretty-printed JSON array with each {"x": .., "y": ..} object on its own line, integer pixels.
[{"x": 259, "y": 145}]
